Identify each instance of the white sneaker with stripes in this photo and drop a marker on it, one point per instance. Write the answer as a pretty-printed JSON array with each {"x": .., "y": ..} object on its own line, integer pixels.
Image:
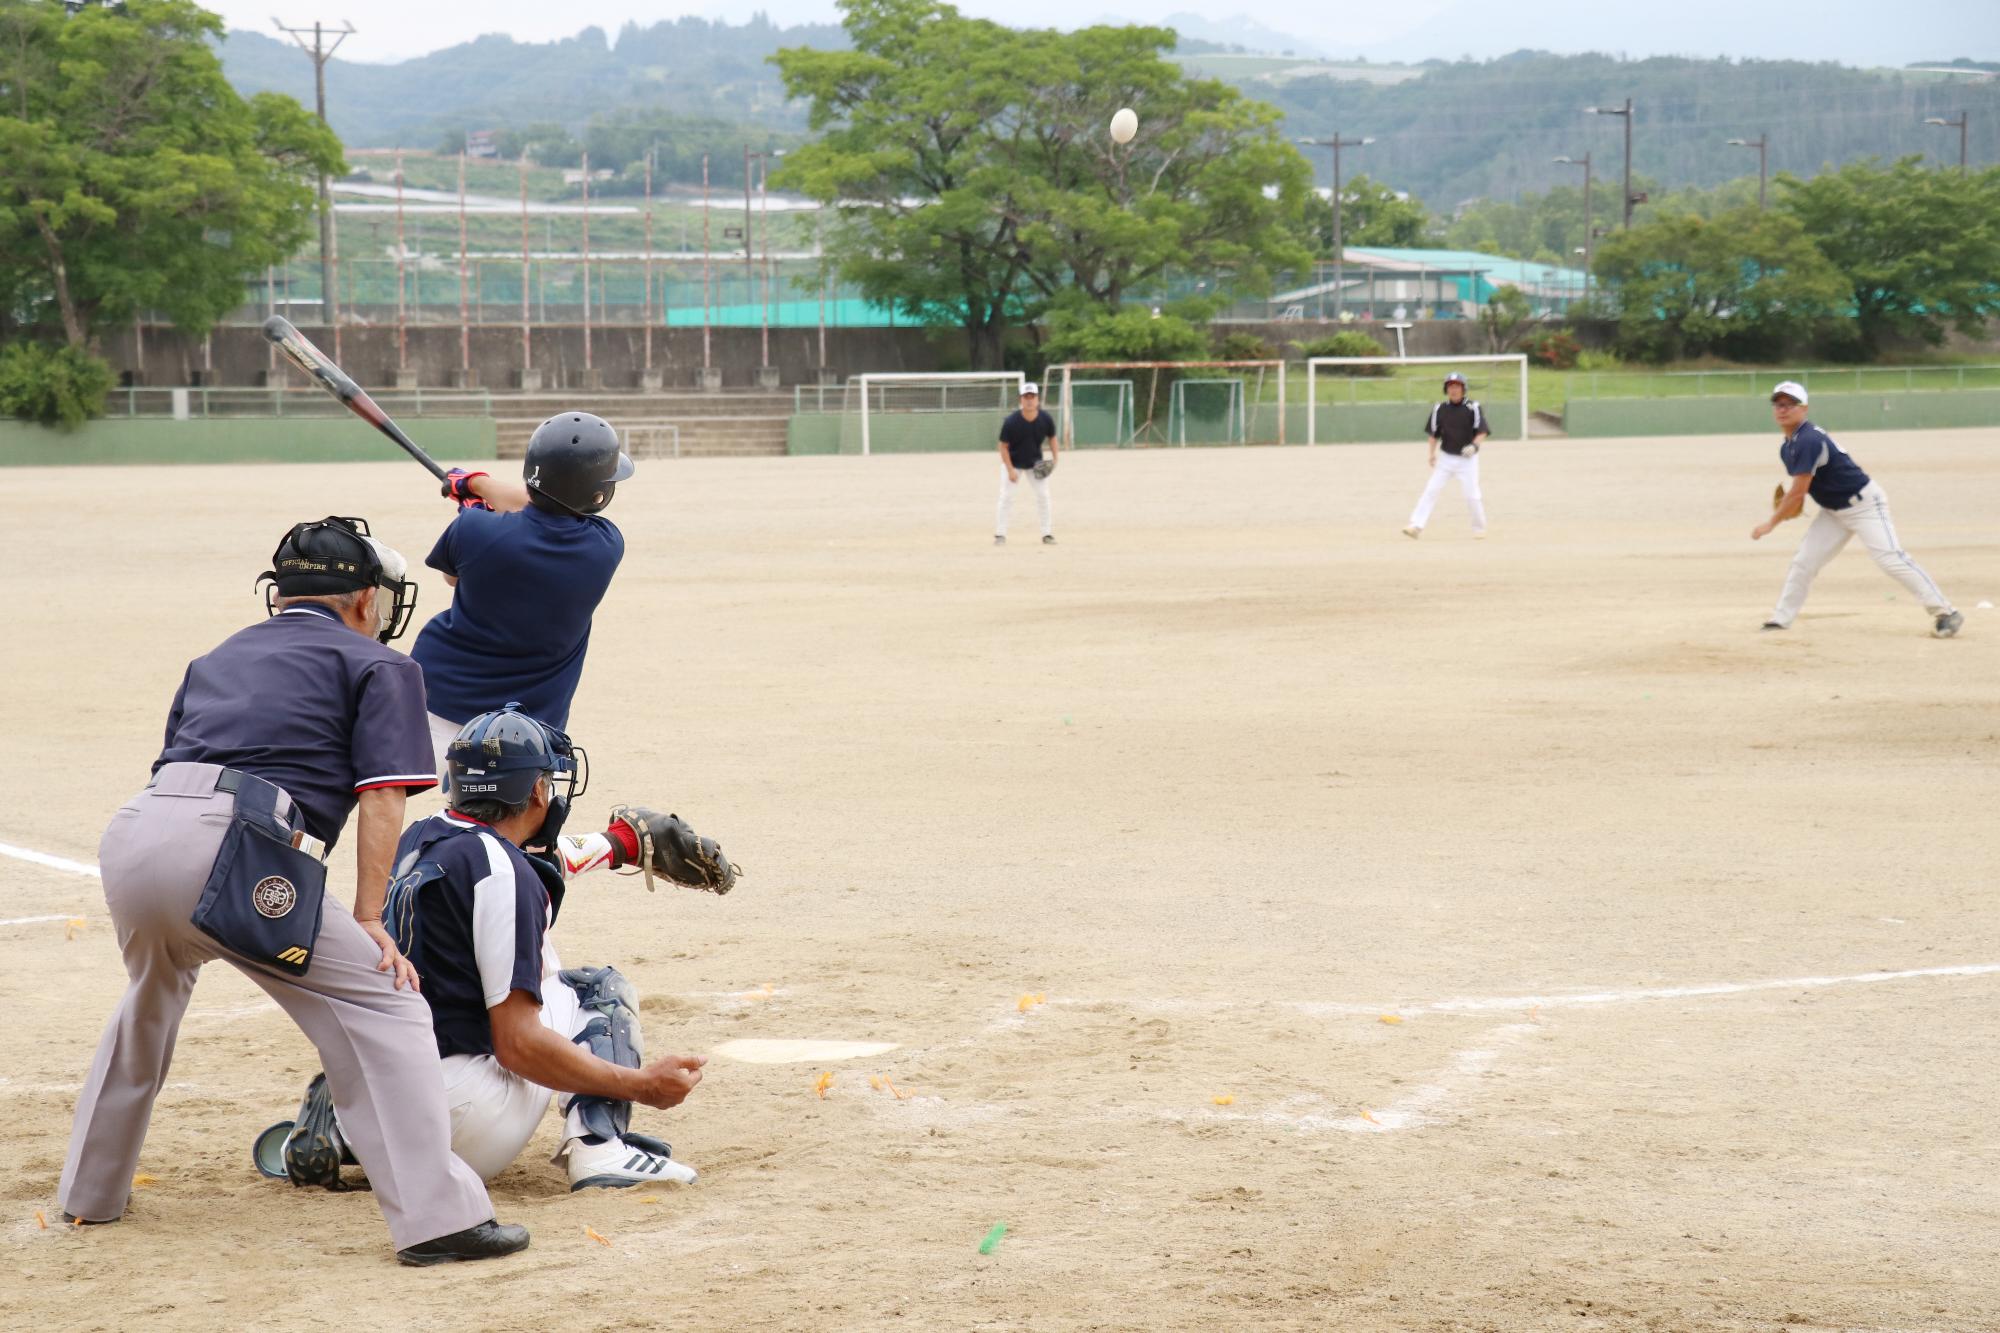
[{"x": 617, "y": 1164}]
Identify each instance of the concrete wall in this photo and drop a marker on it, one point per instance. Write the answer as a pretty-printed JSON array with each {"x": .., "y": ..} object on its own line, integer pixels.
[
  {"x": 1749, "y": 415},
  {"x": 255, "y": 441}
]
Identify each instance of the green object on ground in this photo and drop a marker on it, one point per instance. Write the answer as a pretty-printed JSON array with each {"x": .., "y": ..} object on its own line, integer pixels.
[{"x": 992, "y": 1240}]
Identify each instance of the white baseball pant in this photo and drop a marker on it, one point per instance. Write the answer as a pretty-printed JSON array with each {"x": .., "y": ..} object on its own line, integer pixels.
[
  {"x": 1042, "y": 503},
  {"x": 1867, "y": 519},
  {"x": 1447, "y": 467},
  {"x": 494, "y": 1113}
]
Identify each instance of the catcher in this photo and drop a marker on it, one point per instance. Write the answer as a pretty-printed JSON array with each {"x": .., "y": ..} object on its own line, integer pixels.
[{"x": 475, "y": 891}]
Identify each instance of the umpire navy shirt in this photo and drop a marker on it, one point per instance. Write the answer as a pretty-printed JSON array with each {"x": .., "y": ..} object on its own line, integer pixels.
[
  {"x": 519, "y": 621},
  {"x": 1836, "y": 478},
  {"x": 1454, "y": 425},
  {"x": 303, "y": 701},
  {"x": 1023, "y": 437},
  {"x": 479, "y": 930}
]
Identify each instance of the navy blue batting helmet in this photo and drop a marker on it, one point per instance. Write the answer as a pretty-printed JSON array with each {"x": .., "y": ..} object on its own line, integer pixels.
[{"x": 500, "y": 756}]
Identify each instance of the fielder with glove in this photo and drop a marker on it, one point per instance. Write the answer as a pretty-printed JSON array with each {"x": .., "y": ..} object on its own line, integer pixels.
[
  {"x": 476, "y": 891},
  {"x": 1022, "y": 435}
]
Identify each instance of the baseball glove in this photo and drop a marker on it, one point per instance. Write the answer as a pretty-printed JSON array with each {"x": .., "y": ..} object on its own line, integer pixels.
[
  {"x": 668, "y": 847},
  {"x": 1046, "y": 466},
  {"x": 1778, "y": 498}
]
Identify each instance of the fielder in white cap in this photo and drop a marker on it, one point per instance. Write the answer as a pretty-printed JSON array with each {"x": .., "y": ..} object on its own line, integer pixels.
[
  {"x": 1850, "y": 505},
  {"x": 1022, "y": 435}
]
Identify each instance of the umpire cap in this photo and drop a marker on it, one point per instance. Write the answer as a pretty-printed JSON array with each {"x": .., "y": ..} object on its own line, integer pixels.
[{"x": 574, "y": 464}]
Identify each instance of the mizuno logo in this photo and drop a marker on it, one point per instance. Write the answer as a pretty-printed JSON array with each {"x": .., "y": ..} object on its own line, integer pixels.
[{"x": 293, "y": 955}]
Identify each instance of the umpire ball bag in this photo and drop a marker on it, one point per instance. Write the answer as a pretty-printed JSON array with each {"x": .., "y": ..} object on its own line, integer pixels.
[{"x": 264, "y": 897}]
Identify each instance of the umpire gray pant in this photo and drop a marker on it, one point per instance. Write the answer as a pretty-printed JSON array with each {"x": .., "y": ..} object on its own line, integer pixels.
[{"x": 374, "y": 1041}]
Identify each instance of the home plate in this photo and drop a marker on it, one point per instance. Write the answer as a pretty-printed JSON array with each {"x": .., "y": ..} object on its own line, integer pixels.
[{"x": 784, "y": 1051}]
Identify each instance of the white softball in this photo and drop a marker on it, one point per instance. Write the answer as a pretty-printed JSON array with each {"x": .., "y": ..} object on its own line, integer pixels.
[{"x": 1124, "y": 125}]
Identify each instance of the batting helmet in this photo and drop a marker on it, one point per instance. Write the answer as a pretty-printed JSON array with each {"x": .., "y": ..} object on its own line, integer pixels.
[
  {"x": 1454, "y": 378},
  {"x": 335, "y": 556},
  {"x": 501, "y": 756},
  {"x": 574, "y": 464}
]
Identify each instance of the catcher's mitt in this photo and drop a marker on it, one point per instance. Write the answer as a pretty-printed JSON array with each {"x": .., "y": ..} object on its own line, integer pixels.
[
  {"x": 1046, "y": 466},
  {"x": 668, "y": 847},
  {"x": 1778, "y": 498}
]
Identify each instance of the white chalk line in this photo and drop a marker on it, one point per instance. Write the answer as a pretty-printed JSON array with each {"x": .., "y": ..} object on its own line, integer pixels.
[
  {"x": 33, "y": 920},
  {"x": 62, "y": 863}
]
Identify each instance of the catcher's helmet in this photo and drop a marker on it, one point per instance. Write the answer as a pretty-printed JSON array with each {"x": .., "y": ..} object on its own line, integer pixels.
[
  {"x": 334, "y": 556},
  {"x": 574, "y": 463},
  {"x": 500, "y": 756},
  {"x": 1454, "y": 378}
]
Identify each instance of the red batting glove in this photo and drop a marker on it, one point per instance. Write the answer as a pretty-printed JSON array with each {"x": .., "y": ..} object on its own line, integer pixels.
[{"x": 458, "y": 487}]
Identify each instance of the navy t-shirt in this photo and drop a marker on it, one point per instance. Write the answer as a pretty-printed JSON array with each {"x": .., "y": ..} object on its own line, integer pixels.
[
  {"x": 1455, "y": 425},
  {"x": 1023, "y": 437},
  {"x": 1836, "y": 478},
  {"x": 303, "y": 701},
  {"x": 519, "y": 620},
  {"x": 479, "y": 926}
]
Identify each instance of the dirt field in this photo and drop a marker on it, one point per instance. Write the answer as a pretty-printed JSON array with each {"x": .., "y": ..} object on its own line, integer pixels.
[{"x": 1531, "y": 906}]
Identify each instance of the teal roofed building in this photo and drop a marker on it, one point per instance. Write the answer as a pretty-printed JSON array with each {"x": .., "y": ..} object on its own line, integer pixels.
[{"x": 1389, "y": 283}]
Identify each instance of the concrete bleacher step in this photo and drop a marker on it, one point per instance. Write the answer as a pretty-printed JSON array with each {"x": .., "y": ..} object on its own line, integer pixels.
[{"x": 699, "y": 436}]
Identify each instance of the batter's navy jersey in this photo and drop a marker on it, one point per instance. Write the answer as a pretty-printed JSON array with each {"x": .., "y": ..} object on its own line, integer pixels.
[
  {"x": 303, "y": 701},
  {"x": 1023, "y": 437},
  {"x": 479, "y": 926},
  {"x": 1455, "y": 425},
  {"x": 1836, "y": 478},
  {"x": 519, "y": 620}
]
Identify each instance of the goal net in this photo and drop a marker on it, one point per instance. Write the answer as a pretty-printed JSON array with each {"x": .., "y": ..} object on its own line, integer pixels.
[
  {"x": 909, "y": 413},
  {"x": 1206, "y": 411},
  {"x": 1356, "y": 399},
  {"x": 1102, "y": 411},
  {"x": 1177, "y": 402}
]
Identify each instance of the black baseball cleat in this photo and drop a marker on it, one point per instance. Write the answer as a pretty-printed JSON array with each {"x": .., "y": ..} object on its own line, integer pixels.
[
  {"x": 999, "y": 541},
  {"x": 1772, "y": 624},
  {"x": 71, "y": 1219},
  {"x": 488, "y": 1240},
  {"x": 1049, "y": 539},
  {"x": 1948, "y": 623}
]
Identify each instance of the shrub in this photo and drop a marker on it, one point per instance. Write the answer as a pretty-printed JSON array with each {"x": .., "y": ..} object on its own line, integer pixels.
[
  {"x": 1348, "y": 342},
  {"x": 1554, "y": 348},
  {"x": 54, "y": 385},
  {"x": 1242, "y": 346}
]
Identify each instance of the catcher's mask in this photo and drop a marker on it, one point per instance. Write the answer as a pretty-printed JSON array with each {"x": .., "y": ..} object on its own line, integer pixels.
[
  {"x": 500, "y": 756},
  {"x": 334, "y": 556}
]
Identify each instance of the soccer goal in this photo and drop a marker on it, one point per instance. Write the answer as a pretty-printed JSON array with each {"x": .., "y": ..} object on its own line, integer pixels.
[
  {"x": 1102, "y": 413},
  {"x": 1233, "y": 402},
  {"x": 913, "y": 413},
  {"x": 1214, "y": 408},
  {"x": 1352, "y": 399}
]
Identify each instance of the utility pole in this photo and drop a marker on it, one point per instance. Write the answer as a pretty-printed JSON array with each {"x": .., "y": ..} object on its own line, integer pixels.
[
  {"x": 1762, "y": 143},
  {"x": 1964, "y": 119},
  {"x": 1625, "y": 111},
  {"x": 321, "y": 53},
  {"x": 1589, "y": 223},
  {"x": 1336, "y": 143}
]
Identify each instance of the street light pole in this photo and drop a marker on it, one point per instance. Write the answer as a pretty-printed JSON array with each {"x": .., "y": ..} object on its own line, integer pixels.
[
  {"x": 1625, "y": 111},
  {"x": 321, "y": 53},
  {"x": 1964, "y": 119},
  {"x": 1762, "y": 143},
  {"x": 749, "y": 253},
  {"x": 1589, "y": 222},
  {"x": 1336, "y": 143}
]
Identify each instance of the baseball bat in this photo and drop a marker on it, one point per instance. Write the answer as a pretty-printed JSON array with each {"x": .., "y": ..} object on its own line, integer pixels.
[{"x": 301, "y": 353}]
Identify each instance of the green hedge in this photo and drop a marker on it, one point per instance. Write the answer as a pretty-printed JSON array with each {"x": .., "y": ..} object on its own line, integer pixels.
[{"x": 249, "y": 440}]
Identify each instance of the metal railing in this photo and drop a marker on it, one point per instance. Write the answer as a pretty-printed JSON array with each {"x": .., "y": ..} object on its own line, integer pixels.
[
  {"x": 199, "y": 402},
  {"x": 1739, "y": 383}
]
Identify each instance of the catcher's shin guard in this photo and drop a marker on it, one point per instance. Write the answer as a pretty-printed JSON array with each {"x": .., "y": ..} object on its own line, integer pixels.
[
  {"x": 314, "y": 1150},
  {"x": 611, "y": 1034}
]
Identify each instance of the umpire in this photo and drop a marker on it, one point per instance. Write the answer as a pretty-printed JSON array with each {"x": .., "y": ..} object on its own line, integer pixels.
[{"x": 272, "y": 740}]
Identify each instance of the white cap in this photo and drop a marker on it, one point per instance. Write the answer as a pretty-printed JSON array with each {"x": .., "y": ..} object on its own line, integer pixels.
[
  {"x": 1791, "y": 389},
  {"x": 1030, "y": 387}
]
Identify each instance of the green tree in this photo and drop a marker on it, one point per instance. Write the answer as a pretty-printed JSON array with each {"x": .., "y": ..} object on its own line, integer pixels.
[
  {"x": 1745, "y": 283},
  {"x": 132, "y": 177},
  {"x": 1505, "y": 317},
  {"x": 975, "y": 182},
  {"x": 1371, "y": 214},
  {"x": 1919, "y": 249}
]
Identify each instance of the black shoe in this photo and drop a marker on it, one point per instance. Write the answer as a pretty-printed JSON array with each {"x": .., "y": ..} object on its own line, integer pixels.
[
  {"x": 71, "y": 1219},
  {"x": 1772, "y": 624},
  {"x": 1948, "y": 623},
  {"x": 999, "y": 541},
  {"x": 1049, "y": 540},
  {"x": 488, "y": 1240}
]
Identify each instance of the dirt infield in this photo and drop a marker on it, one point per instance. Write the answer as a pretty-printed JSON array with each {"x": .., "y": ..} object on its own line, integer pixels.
[{"x": 1686, "y": 932}]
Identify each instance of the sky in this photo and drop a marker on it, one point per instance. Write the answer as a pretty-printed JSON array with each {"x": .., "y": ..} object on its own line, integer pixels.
[{"x": 1848, "y": 31}]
